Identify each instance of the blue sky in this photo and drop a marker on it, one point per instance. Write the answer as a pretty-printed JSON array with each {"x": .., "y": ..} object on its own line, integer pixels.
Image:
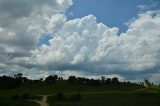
[{"x": 113, "y": 13}]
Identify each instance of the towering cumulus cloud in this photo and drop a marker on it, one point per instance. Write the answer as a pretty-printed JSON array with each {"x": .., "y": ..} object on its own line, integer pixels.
[
  {"x": 88, "y": 46},
  {"x": 80, "y": 46}
]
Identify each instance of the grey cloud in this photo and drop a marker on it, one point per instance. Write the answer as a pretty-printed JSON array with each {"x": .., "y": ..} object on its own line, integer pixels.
[
  {"x": 22, "y": 22},
  {"x": 16, "y": 8}
]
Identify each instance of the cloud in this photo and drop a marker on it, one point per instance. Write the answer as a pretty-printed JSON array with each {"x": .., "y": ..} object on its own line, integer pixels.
[
  {"x": 22, "y": 23},
  {"x": 87, "y": 46},
  {"x": 76, "y": 46},
  {"x": 152, "y": 5}
]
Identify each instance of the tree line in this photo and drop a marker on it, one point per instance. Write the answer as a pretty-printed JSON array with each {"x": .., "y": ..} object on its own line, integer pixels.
[
  {"x": 101, "y": 81},
  {"x": 10, "y": 82}
]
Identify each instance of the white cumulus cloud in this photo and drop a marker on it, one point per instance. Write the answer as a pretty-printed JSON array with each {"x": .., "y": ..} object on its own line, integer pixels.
[
  {"x": 80, "y": 45},
  {"x": 85, "y": 45}
]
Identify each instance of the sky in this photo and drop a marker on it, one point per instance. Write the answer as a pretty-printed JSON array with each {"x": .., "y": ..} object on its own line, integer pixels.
[
  {"x": 113, "y": 13},
  {"x": 86, "y": 38}
]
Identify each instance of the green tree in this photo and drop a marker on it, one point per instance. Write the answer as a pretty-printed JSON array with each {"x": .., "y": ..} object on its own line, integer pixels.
[{"x": 147, "y": 82}]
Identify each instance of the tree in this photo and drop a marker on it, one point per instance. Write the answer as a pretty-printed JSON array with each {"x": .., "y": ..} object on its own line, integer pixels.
[
  {"x": 115, "y": 80},
  {"x": 147, "y": 83},
  {"x": 51, "y": 79},
  {"x": 60, "y": 78},
  {"x": 41, "y": 79},
  {"x": 108, "y": 81},
  {"x": 95, "y": 82},
  {"x": 19, "y": 75},
  {"x": 103, "y": 79},
  {"x": 72, "y": 79},
  {"x": 7, "y": 82}
]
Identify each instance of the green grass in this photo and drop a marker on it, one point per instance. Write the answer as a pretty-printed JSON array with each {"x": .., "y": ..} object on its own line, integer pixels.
[
  {"x": 16, "y": 103},
  {"x": 62, "y": 86},
  {"x": 112, "y": 99},
  {"x": 114, "y": 95}
]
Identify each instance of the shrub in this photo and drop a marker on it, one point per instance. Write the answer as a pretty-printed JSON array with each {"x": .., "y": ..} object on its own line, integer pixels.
[
  {"x": 72, "y": 98},
  {"x": 78, "y": 96},
  {"x": 16, "y": 97},
  {"x": 59, "y": 96},
  {"x": 75, "y": 97},
  {"x": 25, "y": 96}
]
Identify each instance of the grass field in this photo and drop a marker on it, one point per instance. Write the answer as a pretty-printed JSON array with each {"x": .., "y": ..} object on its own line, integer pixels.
[
  {"x": 62, "y": 86},
  {"x": 112, "y": 99},
  {"x": 8, "y": 102},
  {"x": 115, "y": 95}
]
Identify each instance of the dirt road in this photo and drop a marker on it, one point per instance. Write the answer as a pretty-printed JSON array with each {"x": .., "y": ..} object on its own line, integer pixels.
[{"x": 43, "y": 102}]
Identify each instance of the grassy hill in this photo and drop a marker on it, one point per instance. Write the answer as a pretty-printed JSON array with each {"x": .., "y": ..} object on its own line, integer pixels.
[
  {"x": 64, "y": 86},
  {"x": 101, "y": 95},
  {"x": 21, "y": 91}
]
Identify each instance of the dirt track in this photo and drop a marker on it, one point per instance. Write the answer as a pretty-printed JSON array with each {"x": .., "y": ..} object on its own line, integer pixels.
[
  {"x": 44, "y": 97},
  {"x": 43, "y": 102}
]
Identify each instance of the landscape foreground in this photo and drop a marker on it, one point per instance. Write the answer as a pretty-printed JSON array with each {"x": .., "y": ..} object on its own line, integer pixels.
[{"x": 77, "y": 92}]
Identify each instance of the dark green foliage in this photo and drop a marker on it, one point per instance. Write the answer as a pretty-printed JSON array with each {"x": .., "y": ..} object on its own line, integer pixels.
[
  {"x": 75, "y": 97},
  {"x": 7, "y": 82},
  {"x": 25, "y": 96},
  {"x": 59, "y": 96},
  {"x": 93, "y": 82},
  {"x": 72, "y": 79},
  {"x": 19, "y": 75},
  {"x": 147, "y": 82},
  {"x": 103, "y": 79},
  {"x": 108, "y": 81},
  {"x": 51, "y": 79},
  {"x": 17, "y": 103},
  {"x": 115, "y": 80},
  {"x": 16, "y": 97},
  {"x": 72, "y": 98},
  {"x": 78, "y": 97}
]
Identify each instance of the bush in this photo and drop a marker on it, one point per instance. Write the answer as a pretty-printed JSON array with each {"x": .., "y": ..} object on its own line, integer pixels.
[
  {"x": 59, "y": 96},
  {"x": 25, "y": 96},
  {"x": 76, "y": 97},
  {"x": 72, "y": 98},
  {"x": 16, "y": 97}
]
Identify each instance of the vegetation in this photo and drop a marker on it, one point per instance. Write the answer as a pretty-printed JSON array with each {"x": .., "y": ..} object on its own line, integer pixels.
[
  {"x": 76, "y": 97},
  {"x": 8, "y": 102},
  {"x": 76, "y": 91},
  {"x": 112, "y": 99},
  {"x": 59, "y": 96},
  {"x": 8, "y": 82}
]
